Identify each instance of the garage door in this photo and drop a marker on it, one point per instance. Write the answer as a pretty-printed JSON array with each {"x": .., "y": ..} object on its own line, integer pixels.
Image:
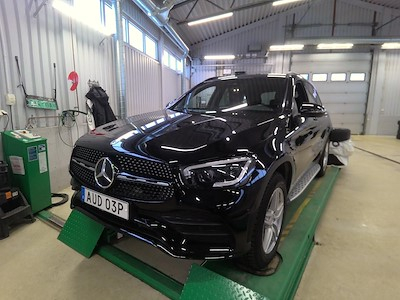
[{"x": 342, "y": 80}]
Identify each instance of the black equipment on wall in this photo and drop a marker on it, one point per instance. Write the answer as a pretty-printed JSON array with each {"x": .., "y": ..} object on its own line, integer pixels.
[{"x": 101, "y": 109}]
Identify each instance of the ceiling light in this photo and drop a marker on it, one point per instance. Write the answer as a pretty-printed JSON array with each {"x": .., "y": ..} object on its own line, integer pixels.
[
  {"x": 80, "y": 16},
  {"x": 210, "y": 19},
  {"x": 281, "y": 2},
  {"x": 216, "y": 57},
  {"x": 292, "y": 47},
  {"x": 333, "y": 46},
  {"x": 391, "y": 46}
]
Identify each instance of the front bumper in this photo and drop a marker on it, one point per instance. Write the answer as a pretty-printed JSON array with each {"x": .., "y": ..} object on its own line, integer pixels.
[{"x": 187, "y": 231}]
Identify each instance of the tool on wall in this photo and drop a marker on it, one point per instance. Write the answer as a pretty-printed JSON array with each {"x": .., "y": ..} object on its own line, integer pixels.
[{"x": 38, "y": 101}]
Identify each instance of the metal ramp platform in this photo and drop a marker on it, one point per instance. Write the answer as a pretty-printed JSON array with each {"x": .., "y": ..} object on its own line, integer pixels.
[{"x": 222, "y": 279}]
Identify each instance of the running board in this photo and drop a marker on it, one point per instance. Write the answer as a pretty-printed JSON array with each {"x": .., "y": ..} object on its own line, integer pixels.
[{"x": 303, "y": 182}]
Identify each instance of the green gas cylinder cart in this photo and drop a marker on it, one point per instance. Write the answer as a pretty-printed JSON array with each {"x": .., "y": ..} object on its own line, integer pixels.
[{"x": 26, "y": 154}]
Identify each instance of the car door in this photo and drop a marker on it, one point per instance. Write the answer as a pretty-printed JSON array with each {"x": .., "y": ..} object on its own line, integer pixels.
[{"x": 301, "y": 136}]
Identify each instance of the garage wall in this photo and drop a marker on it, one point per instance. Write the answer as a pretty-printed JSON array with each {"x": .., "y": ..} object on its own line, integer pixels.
[
  {"x": 143, "y": 82},
  {"x": 39, "y": 42},
  {"x": 149, "y": 84}
]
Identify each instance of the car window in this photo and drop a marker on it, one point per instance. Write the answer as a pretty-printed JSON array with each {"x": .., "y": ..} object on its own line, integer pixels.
[
  {"x": 267, "y": 97},
  {"x": 300, "y": 94},
  {"x": 260, "y": 94},
  {"x": 201, "y": 98},
  {"x": 312, "y": 93}
]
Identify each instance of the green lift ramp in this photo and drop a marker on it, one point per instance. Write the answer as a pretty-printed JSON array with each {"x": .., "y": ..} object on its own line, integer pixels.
[{"x": 219, "y": 279}]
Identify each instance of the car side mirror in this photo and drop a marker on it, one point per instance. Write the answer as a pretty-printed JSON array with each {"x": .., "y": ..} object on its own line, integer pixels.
[
  {"x": 312, "y": 110},
  {"x": 169, "y": 104}
]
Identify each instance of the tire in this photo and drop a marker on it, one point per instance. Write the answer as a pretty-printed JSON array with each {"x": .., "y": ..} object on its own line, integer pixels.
[
  {"x": 268, "y": 227},
  {"x": 340, "y": 135},
  {"x": 323, "y": 160}
]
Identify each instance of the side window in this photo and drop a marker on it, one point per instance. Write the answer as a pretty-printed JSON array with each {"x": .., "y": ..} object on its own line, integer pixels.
[
  {"x": 300, "y": 95},
  {"x": 267, "y": 97},
  {"x": 233, "y": 95},
  {"x": 201, "y": 98},
  {"x": 312, "y": 93}
]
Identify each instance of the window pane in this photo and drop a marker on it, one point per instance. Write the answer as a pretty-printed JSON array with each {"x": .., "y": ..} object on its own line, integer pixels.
[
  {"x": 357, "y": 77},
  {"x": 305, "y": 76},
  {"x": 165, "y": 58},
  {"x": 320, "y": 77},
  {"x": 179, "y": 66},
  {"x": 201, "y": 98},
  {"x": 135, "y": 37},
  {"x": 110, "y": 18},
  {"x": 172, "y": 62},
  {"x": 124, "y": 32},
  {"x": 338, "y": 77},
  {"x": 151, "y": 47}
]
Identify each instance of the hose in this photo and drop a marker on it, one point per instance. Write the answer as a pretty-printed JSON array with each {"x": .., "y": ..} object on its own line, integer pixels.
[{"x": 64, "y": 197}]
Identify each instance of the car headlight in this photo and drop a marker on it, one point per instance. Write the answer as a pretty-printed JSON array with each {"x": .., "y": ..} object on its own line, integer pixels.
[{"x": 221, "y": 173}]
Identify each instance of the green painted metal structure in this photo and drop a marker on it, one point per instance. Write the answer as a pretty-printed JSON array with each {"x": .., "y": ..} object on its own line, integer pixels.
[
  {"x": 81, "y": 233},
  {"x": 221, "y": 279},
  {"x": 27, "y": 157}
]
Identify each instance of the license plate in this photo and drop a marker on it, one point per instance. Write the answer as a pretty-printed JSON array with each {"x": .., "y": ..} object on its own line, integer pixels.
[{"x": 106, "y": 203}]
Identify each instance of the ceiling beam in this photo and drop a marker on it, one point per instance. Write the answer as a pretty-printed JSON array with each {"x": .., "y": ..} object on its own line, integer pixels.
[
  {"x": 216, "y": 5},
  {"x": 256, "y": 24},
  {"x": 371, "y": 6},
  {"x": 243, "y": 7}
]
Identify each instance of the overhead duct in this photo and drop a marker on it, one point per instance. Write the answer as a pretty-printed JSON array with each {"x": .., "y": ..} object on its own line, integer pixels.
[{"x": 159, "y": 15}]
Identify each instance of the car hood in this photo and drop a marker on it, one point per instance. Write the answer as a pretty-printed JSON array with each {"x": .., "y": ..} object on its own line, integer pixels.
[{"x": 176, "y": 136}]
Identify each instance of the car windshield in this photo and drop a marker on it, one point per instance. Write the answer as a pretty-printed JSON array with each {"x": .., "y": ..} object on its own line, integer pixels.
[{"x": 257, "y": 94}]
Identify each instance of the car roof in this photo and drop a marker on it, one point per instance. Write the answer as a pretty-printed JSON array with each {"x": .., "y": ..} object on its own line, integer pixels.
[{"x": 241, "y": 75}]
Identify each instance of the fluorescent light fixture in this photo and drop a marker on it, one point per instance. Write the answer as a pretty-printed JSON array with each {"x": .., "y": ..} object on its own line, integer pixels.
[
  {"x": 391, "y": 46},
  {"x": 286, "y": 47},
  {"x": 210, "y": 19},
  {"x": 80, "y": 16},
  {"x": 333, "y": 46},
  {"x": 217, "y": 57},
  {"x": 282, "y": 2}
]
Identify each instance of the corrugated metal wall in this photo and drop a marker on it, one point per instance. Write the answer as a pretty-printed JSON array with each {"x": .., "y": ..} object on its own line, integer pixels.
[
  {"x": 149, "y": 84},
  {"x": 143, "y": 82},
  {"x": 39, "y": 42},
  {"x": 53, "y": 38}
]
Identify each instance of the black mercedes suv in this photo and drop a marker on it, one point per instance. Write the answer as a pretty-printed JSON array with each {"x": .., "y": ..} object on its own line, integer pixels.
[{"x": 209, "y": 176}]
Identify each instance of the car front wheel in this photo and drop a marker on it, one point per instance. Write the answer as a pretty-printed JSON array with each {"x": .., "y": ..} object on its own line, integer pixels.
[{"x": 268, "y": 228}]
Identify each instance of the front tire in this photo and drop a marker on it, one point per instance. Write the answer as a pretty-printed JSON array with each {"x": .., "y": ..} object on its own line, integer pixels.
[{"x": 268, "y": 227}]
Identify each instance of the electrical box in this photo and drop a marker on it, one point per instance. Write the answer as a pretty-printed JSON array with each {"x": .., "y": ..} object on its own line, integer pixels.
[
  {"x": 26, "y": 156},
  {"x": 10, "y": 99}
]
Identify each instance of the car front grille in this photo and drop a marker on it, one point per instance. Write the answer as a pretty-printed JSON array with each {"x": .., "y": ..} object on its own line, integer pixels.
[{"x": 84, "y": 160}]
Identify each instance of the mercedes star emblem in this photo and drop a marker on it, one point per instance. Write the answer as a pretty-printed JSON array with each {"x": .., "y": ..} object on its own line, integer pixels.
[{"x": 104, "y": 172}]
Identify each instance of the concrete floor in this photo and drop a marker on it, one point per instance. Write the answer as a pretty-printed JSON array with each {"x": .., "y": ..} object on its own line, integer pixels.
[{"x": 356, "y": 257}]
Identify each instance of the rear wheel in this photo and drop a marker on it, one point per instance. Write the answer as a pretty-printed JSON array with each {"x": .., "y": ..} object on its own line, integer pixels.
[
  {"x": 323, "y": 161},
  {"x": 268, "y": 228}
]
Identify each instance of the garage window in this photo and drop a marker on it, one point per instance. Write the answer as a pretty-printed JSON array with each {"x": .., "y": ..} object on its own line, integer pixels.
[
  {"x": 172, "y": 61},
  {"x": 338, "y": 77},
  {"x": 357, "y": 77},
  {"x": 109, "y": 17},
  {"x": 306, "y": 76},
  {"x": 135, "y": 37},
  {"x": 319, "y": 77},
  {"x": 151, "y": 48}
]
